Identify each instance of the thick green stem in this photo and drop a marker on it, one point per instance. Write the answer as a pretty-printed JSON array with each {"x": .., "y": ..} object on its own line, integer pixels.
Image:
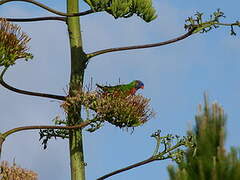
[{"x": 78, "y": 64}]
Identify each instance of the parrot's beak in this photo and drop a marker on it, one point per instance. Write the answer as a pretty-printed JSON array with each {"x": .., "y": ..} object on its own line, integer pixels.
[{"x": 142, "y": 87}]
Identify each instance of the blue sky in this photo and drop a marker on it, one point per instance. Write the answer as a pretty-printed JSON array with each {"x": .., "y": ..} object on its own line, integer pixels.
[{"x": 175, "y": 78}]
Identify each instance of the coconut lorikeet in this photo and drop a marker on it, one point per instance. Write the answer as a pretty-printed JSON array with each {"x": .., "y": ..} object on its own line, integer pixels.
[{"x": 126, "y": 89}]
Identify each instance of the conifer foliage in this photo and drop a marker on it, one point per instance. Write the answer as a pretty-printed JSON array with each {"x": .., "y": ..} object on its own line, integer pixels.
[{"x": 209, "y": 161}]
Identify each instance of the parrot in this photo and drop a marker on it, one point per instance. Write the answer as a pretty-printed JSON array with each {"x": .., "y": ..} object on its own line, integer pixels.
[{"x": 126, "y": 89}]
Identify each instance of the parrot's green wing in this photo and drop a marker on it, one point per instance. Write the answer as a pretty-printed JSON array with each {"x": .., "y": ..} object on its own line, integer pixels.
[{"x": 125, "y": 88}]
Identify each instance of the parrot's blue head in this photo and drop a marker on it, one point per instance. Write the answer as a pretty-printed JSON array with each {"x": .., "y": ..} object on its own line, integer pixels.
[{"x": 139, "y": 84}]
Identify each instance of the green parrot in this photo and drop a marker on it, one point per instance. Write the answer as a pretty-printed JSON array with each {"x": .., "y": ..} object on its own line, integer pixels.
[{"x": 126, "y": 89}]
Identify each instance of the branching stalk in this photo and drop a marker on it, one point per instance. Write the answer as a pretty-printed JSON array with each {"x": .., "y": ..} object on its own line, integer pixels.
[
  {"x": 157, "y": 156},
  {"x": 50, "y": 9},
  {"x": 96, "y": 53},
  {"x": 157, "y": 137},
  {"x": 1, "y": 143},
  {"x": 3, "y": 136},
  {"x": 52, "y": 96},
  {"x": 214, "y": 23},
  {"x": 127, "y": 168},
  {"x": 23, "y": 128},
  {"x": 47, "y": 18}
]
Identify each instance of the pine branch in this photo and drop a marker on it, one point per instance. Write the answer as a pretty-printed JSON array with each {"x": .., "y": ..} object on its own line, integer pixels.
[
  {"x": 2, "y": 82},
  {"x": 96, "y": 53},
  {"x": 50, "y": 9}
]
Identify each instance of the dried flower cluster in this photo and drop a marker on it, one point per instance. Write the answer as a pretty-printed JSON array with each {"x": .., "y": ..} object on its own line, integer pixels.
[
  {"x": 16, "y": 173},
  {"x": 121, "y": 111},
  {"x": 13, "y": 44}
]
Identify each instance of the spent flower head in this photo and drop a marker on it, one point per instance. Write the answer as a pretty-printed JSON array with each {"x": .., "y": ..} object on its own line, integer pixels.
[
  {"x": 16, "y": 173},
  {"x": 13, "y": 43},
  {"x": 117, "y": 109}
]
